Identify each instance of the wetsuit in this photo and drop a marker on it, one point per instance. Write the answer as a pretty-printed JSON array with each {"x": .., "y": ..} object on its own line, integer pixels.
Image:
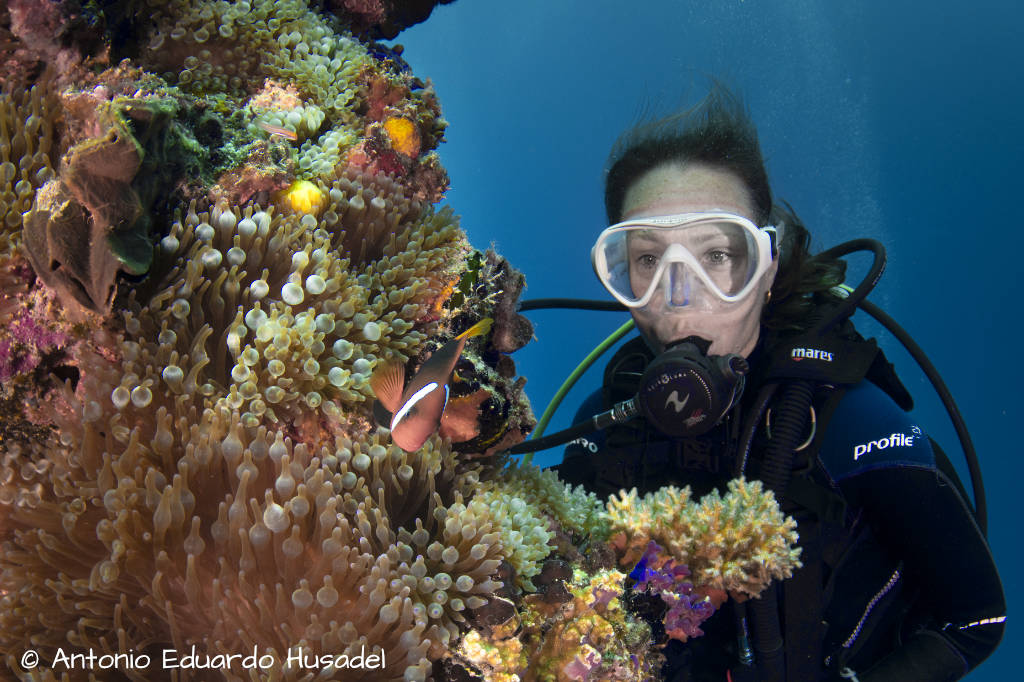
[{"x": 898, "y": 584}]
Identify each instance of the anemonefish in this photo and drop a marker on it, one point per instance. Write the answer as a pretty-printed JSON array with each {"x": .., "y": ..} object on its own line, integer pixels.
[{"x": 416, "y": 409}]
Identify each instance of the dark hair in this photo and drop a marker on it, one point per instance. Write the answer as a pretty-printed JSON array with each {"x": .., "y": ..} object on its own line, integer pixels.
[
  {"x": 802, "y": 281},
  {"x": 717, "y": 132}
]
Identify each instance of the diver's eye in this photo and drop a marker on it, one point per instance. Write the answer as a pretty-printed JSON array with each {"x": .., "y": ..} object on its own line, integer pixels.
[
  {"x": 647, "y": 261},
  {"x": 717, "y": 257}
]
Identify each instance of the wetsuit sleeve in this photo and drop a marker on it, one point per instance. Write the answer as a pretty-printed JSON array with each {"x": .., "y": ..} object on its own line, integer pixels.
[
  {"x": 577, "y": 467},
  {"x": 908, "y": 494}
]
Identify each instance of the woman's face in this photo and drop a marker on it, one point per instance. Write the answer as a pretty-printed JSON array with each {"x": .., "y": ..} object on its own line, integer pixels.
[{"x": 672, "y": 189}]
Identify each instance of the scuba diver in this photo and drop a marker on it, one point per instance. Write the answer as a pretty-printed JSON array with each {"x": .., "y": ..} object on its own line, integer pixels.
[{"x": 747, "y": 365}]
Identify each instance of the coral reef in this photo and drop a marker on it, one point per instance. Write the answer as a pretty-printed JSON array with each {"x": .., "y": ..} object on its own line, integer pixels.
[
  {"x": 28, "y": 152},
  {"x": 580, "y": 631},
  {"x": 194, "y": 299},
  {"x": 383, "y": 18},
  {"x": 738, "y": 542},
  {"x": 665, "y": 578},
  {"x": 217, "y": 220}
]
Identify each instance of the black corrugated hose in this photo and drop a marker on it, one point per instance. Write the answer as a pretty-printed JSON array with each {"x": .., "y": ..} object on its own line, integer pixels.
[{"x": 789, "y": 424}]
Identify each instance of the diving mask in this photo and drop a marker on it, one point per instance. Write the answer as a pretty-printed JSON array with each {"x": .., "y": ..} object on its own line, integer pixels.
[{"x": 699, "y": 260}]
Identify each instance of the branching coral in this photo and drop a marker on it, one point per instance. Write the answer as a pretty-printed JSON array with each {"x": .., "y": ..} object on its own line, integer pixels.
[
  {"x": 738, "y": 542},
  {"x": 585, "y": 635}
]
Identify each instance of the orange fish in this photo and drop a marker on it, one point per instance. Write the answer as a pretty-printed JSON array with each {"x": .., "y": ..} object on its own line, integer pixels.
[
  {"x": 278, "y": 130},
  {"x": 416, "y": 410}
]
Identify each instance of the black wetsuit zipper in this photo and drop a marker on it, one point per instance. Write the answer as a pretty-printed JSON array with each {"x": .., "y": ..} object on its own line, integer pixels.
[{"x": 893, "y": 579}]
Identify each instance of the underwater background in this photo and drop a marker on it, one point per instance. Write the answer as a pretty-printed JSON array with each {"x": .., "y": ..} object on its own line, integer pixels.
[{"x": 896, "y": 121}]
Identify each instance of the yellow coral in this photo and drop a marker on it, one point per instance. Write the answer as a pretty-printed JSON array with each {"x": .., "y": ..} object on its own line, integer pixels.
[
  {"x": 497, "y": 660},
  {"x": 738, "y": 542},
  {"x": 303, "y": 197},
  {"x": 591, "y": 636},
  {"x": 405, "y": 139}
]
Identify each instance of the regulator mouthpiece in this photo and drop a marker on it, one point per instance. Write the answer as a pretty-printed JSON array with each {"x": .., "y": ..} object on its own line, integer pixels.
[{"x": 685, "y": 392}]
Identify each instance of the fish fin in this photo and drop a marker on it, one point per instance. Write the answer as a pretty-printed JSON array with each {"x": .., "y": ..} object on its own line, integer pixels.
[
  {"x": 478, "y": 329},
  {"x": 461, "y": 418},
  {"x": 381, "y": 415},
  {"x": 387, "y": 383}
]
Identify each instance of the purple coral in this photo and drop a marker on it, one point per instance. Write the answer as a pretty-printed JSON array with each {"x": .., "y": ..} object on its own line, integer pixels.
[
  {"x": 583, "y": 665},
  {"x": 28, "y": 340},
  {"x": 662, "y": 576}
]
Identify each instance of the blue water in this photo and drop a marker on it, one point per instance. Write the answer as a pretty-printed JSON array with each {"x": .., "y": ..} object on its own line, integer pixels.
[{"x": 899, "y": 121}]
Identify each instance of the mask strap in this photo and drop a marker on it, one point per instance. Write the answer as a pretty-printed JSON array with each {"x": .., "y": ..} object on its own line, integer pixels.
[{"x": 773, "y": 237}]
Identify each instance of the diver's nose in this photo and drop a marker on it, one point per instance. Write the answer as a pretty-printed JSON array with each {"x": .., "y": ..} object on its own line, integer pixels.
[{"x": 677, "y": 285}]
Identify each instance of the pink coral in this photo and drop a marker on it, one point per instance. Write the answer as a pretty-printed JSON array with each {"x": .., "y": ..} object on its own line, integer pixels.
[{"x": 30, "y": 336}]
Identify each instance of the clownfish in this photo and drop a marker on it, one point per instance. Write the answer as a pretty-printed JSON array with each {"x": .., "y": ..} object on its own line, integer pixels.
[{"x": 416, "y": 409}]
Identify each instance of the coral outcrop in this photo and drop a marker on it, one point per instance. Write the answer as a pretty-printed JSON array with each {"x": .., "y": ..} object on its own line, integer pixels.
[
  {"x": 577, "y": 630},
  {"x": 217, "y": 219},
  {"x": 240, "y": 229},
  {"x": 738, "y": 542}
]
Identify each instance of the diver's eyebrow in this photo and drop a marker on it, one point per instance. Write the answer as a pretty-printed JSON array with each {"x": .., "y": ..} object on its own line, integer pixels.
[{"x": 661, "y": 237}]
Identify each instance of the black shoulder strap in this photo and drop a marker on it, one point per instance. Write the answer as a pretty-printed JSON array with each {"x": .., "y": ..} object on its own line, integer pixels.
[{"x": 840, "y": 357}]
